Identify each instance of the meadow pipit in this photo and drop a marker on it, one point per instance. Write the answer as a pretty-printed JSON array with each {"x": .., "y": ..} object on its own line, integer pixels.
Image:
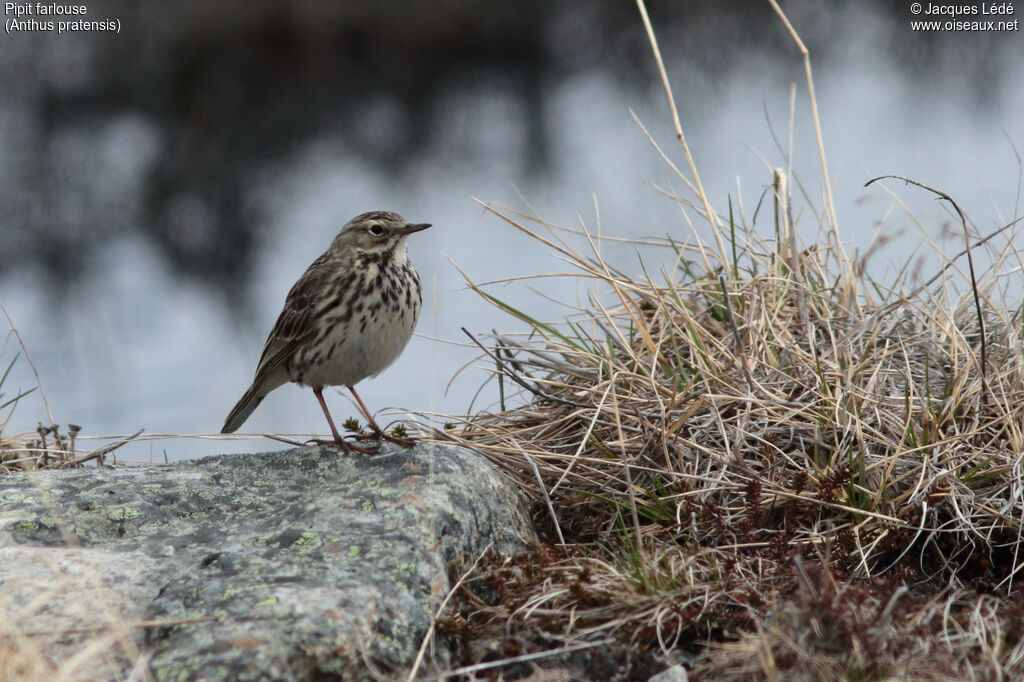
[{"x": 347, "y": 318}]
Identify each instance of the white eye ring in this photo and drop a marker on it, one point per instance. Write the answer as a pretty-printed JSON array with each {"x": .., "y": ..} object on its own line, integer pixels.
[{"x": 376, "y": 230}]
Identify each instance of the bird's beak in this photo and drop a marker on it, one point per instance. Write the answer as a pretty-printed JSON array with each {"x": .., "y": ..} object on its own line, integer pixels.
[{"x": 409, "y": 229}]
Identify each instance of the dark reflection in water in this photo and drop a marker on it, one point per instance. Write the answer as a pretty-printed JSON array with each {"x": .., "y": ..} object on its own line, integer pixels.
[
  {"x": 168, "y": 127},
  {"x": 197, "y": 99},
  {"x": 171, "y": 138}
]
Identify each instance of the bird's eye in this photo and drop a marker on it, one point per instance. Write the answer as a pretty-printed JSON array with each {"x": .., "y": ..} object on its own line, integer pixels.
[{"x": 376, "y": 230}]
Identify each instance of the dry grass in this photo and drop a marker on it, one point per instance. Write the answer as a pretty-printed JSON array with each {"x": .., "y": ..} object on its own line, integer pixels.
[
  {"x": 760, "y": 462},
  {"x": 49, "y": 447},
  {"x": 821, "y": 480}
]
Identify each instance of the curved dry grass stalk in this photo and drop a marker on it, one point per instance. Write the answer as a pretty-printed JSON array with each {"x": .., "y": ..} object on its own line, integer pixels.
[{"x": 706, "y": 444}]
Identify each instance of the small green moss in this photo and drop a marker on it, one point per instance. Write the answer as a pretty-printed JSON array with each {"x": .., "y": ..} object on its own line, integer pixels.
[
  {"x": 123, "y": 514},
  {"x": 229, "y": 593},
  {"x": 309, "y": 542}
]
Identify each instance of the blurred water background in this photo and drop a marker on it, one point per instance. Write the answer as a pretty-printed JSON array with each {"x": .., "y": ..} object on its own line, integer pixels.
[{"x": 164, "y": 187}]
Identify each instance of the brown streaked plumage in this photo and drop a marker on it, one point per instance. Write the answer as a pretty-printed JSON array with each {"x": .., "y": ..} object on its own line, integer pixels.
[{"x": 347, "y": 318}]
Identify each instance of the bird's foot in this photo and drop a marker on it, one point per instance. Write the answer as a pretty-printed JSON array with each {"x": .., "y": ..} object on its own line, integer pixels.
[
  {"x": 344, "y": 445},
  {"x": 404, "y": 442},
  {"x": 380, "y": 436}
]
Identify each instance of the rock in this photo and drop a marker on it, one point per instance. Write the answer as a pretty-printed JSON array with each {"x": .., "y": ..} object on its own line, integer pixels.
[
  {"x": 295, "y": 565},
  {"x": 676, "y": 673}
]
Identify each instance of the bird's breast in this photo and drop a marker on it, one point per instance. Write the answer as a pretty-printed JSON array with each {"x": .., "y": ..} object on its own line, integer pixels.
[{"x": 364, "y": 330}]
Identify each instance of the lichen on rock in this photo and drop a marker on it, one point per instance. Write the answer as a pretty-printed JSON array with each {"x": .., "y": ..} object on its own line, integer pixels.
[{"x": 288, "y": 565}]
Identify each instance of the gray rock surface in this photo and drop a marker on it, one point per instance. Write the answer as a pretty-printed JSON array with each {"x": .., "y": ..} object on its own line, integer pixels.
[{"x": 296, "y": 565}]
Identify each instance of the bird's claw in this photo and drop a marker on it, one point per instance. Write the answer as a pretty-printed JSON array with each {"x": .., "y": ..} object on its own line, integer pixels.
[
  {"x": 380, "y": 436},
  {"x": 343, "y": 444}
]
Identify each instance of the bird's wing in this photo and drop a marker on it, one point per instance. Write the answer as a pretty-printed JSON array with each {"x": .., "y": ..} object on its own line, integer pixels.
[{"x": 295, "y": 326}]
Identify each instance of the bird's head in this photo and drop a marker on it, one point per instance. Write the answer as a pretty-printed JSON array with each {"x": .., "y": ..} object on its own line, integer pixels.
[{"x": 376, "y": 232}]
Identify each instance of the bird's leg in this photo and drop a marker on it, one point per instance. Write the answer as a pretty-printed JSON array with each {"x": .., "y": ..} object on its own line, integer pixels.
[
  {"x": 337, "y": 438},
  {"x": 369, "y": 417},
  {"x": 318, "y": 391},
  {"x": 377, "y": 431}
]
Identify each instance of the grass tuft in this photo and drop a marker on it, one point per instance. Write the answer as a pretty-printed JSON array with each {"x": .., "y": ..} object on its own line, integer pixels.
[
  {"x": 48, "y": 447},
  {"x": 725, "y": 458},
  {"x": 761, "y": 461}
]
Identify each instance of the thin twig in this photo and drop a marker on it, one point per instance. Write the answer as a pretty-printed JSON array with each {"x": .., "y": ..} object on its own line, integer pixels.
[
  {"x": 950, "y": 261},
  {"x": 100, "y": 452},
  {"x": 28, "y": 356},
  {"x": 830, "y": 208},
  {"x": 488, "y": 665},
  {"x": 519, "y": 380},
  {"x": 970, "y": 266},
  {"x": 140, "y": 624},
  {"x": 501, "y": 378},
  {"x": 284, "y": 439},
  {"x": 543, "y": 490},
  {"x": 708, "y": 211},
  {"x": 437, "y": 614},
  {"x": 625, "y": 465},
  {"x": 736, "y": 333}
]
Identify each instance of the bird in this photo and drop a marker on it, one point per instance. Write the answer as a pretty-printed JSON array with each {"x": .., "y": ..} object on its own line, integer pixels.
[{"x": 348, "y": 317}]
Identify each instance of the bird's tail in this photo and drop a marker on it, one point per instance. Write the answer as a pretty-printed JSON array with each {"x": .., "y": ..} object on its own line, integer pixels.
[{"x": 252, "y": 398}]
